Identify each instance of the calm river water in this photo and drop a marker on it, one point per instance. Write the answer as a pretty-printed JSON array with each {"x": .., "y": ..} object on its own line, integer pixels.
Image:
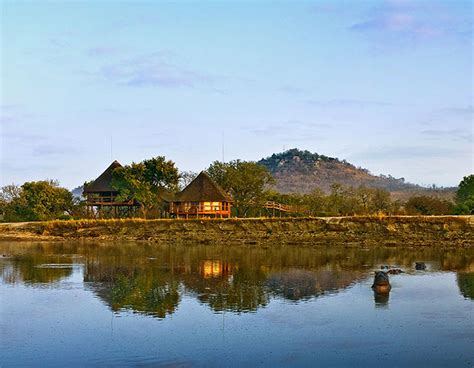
[{"x": 150, "y": 305}]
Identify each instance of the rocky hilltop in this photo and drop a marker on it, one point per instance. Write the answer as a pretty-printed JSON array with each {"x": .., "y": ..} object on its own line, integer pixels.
[{"x": 297, "y": 171}]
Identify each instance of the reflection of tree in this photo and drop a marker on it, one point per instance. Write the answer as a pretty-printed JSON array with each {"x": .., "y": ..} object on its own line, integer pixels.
[
  {"x": 35, "y": 269},
  {"x": 466, "y": 284},
  {"x": 150, "y": 278},
  {"x": 135, "y": 287},
  {"x": 238, "y": 289},
  {"x": 149, "y": 296}
]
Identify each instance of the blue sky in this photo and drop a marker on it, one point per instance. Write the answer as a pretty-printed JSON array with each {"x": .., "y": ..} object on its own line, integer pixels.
[{"x": 387, "y": 85}]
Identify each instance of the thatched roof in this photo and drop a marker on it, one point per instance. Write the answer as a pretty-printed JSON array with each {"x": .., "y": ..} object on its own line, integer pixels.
[
  {"x": 202, "y": 189},
  {"x": 104, "y": 182},
  {"x": 165, "y": 195}
]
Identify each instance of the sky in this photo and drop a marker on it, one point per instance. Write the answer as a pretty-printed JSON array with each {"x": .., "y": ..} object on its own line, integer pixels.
[{"x": 386, "y": 85}]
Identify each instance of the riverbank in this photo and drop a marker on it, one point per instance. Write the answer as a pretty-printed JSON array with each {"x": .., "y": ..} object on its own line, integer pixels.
[{"x": 445, "y": 231}]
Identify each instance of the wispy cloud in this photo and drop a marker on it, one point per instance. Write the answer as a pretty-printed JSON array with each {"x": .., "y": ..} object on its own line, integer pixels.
[
  {"x": 59, "y": 42},
  {"x": 291, "y": 130},
  {"x": 408, "y": 152},
  {"x": 459, "y": 116},
  {"x": 412, "y": 21},
  {"x": 349, "y": 103},
  {"x": 13, "y": 114},
  {"x": 293, "y": 90},
  {"x": 104, "y": 50},
  {"x": 467, "y": 111},
  {"x": 52, "y": 149},
  {"x": 153, "y": 70},
  {"x": 446, "y": 134}
]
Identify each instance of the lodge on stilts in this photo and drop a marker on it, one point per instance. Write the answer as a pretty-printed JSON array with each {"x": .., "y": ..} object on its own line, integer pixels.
[
  {"x": 101, "y": 197},
  {"x": 201, "y": 198}
]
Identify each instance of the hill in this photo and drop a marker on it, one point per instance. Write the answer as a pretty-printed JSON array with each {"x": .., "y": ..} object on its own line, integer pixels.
[{"x": 297, "y": 171}]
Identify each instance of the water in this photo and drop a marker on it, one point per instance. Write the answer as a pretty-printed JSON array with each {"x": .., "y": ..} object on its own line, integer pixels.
[{"x": 150, "y": 305}]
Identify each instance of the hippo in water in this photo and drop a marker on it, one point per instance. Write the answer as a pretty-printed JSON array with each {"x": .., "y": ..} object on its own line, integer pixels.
[{"x": 381, "y": 282}]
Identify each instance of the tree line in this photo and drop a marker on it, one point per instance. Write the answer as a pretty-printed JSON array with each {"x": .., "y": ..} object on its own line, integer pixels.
[{"x": 247, "y": 182}]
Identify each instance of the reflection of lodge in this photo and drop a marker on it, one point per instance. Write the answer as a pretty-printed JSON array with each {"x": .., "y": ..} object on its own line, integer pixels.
[
  {"x": 100, "y": 195},
  {"x": 213, "y": 269},
  {"x": 151, "y": 280},
  {"x": 202, "y": 197}
]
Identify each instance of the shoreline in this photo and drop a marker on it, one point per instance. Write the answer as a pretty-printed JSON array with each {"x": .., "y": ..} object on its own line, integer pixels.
[{"x": 444, "y": 231}]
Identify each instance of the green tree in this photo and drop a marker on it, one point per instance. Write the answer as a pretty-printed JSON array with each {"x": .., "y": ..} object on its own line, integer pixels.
[
  {"x": 161, "y": 173},
  {"x": 220, "y": 172},
  {"x": 9, "y": 198},
  {"x": 465, "y": 196},
  {"x": 425, "y": 205},
  {"x": 246, "y": 182},
  {"x": 317, "y": 202},
  {"x": 381, "y": 201},
  {"x": 143, "y": 182},
  {"x": 344, "y": 201},
  {"x": 36, "y": 201}
]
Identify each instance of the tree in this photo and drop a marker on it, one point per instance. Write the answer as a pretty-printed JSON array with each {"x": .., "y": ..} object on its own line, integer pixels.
[
  {"x": 465, "y": 196},
  {"x": 316, "y": 202},
  {"x": 36, "y": 201},
  {"x": 425, "y": 205},
  {"x": 220, "y": 172},
  {"x": 185, "y": 178},
  {"x": 161, "y": 173},
  {"x": 246, "y": 182},
  {"x": 143, "y": 182},
  {"x": 373, "y": 200},
  {"x": 381, "y": 201},
  {"x": 9, "y": 194},
  {"x": 344, "y": 201}
]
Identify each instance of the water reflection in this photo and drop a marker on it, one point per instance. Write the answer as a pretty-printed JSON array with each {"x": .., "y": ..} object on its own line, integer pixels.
[
  {"x": 29, "y": 269},
  {"x": 466, "y": 284},
  {"x": 298, "y": 284},
  {"x": 152, "y": 279},
  {"x": 381, "y": 299}
]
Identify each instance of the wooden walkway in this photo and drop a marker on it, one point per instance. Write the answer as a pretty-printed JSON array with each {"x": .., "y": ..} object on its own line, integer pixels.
[{"x": 275, "y": 206}]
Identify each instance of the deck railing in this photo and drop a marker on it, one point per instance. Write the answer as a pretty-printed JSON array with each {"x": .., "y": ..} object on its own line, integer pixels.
[{"x": 107, "y": 200}]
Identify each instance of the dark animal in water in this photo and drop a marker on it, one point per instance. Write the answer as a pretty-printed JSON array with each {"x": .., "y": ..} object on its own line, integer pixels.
[
  {"x": 391, "y": 270},
  {"x": 395, "y": 271},
  {"x": 381, "y": 282},
  {"x": 420, "y": 266}
]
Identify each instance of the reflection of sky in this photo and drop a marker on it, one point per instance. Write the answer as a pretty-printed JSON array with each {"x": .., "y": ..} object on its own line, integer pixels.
[
  {"x": 427, "y": 323},
  {"x": 385, "y": 84}
]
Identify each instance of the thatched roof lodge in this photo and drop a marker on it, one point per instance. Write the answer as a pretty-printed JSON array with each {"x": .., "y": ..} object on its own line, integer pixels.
[
  {"x": 100, "y": 192},
  {"x": 202, "y": 197}
]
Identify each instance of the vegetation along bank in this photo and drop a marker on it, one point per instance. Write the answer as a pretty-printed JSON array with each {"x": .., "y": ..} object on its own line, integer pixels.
[{"x": 444, "y": 231}]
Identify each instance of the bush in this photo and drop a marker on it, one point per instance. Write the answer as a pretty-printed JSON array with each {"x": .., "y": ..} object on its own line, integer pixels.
[{"x": 425, "y": 205}]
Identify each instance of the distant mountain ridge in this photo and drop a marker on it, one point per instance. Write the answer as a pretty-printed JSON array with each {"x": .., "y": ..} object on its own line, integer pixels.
[{"x": 297, "y": 171}]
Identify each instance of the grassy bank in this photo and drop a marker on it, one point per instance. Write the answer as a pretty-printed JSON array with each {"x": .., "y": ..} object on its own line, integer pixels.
[{"x": 446, "y": 231}]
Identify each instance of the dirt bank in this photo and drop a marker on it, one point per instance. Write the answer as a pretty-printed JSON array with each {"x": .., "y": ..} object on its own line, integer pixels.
[{"x": 446, "y": 231}]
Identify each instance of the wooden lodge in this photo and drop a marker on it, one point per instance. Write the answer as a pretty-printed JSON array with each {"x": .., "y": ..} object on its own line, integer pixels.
[
  {"x": 101, "y": 196},
  {"x": 201, "y": 198}
]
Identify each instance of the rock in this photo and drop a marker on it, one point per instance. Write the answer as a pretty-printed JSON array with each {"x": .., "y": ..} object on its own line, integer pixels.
[
  {"x": 395, "y": 271},
  {"x": 420, "y": 266}
]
